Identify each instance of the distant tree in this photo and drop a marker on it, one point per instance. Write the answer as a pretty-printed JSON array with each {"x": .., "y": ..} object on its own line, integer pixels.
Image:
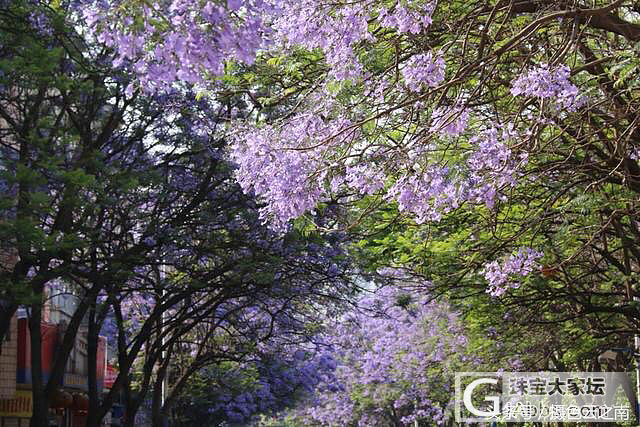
[{"x": 394, "y": 358}]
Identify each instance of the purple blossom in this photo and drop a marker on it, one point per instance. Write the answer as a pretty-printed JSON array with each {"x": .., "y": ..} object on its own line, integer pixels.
[
  {"x": 492, "y": 165},
  {"x": 365, "y": 178},
  {"x": 315, "y": 24},
  {"x": 201, "y": 39},
  {"x": 427, "y": 195},
  {"x": 501, "y": 276},
  {"x": 545, "y": 82},
  {"x": 273, "y": 164},
  {"x": 450, "y": 121},
  {"x": 41, "y": 22},
  {"x": 423, "y": 69},
  {"x": 287, "y": 165},
  {"x": 394, "y": 352},
  {"x": 406, "y": 19},
  {"x": 203, "y": 36}
]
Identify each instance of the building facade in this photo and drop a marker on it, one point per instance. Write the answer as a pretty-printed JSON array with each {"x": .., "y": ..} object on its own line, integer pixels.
[{"x": 70, "y": 402}]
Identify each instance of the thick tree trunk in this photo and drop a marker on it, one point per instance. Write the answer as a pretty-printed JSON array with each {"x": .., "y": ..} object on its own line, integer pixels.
[
  {"x": 40, "y": 400},
  {"x": 157, "y": 416},
  {"x": 161, "y": 403},
  {"x": 93, "y": 420}
]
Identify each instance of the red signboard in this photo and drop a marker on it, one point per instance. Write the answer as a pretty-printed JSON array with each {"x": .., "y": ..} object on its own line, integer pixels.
[
  {"x": 49, "y": 340},
  {"x": 112, "y": 374},
  {"x": 101, "y": 362}
]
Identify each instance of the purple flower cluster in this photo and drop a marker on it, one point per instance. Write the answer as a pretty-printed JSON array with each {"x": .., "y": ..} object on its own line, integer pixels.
[
  {"x": 337, "y": 29},
  {"x": 365, "y": 178},
  {"x": 201, "y": 38},
  {"x": 394, "y": 353},
  {"x": 451, "y": 121},
  {"x": 427, "y": 195},
  {"x": 283, "y": 164},
  {"x": 547, "y": 82},
  {"x": 500, "y": 276},
  {"x": 293, "y": 167},
  {"x": 315, "y": 24},
  {"x": 406, "y": 19},
  {"x": 278, "y": 175},
  {"x": 492, "y": 165},
  {"x": 281, "y": 376},
  {"x": 423, "y": 69},
  {"x": 295, "y": 164},
  {"x": 41, "y": 22},
  {"x": 181, "y": 40}
]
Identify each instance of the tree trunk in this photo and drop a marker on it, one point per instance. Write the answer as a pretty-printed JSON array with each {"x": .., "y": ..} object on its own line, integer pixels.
[
  {"x": 93, "y": 420},
  {"x": 40, "y": 400},
  {"x": 157, "y": 402}
]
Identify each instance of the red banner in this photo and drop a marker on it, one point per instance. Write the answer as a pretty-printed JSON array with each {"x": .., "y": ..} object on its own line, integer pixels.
[
  {"x": 101, "y": 362},
  {"x": 49, "y": 340},
  {"x": 112, "y": 374}
]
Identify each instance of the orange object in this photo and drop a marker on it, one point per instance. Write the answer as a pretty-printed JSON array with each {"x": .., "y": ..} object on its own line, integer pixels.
[{"x": 549, "y": 271}]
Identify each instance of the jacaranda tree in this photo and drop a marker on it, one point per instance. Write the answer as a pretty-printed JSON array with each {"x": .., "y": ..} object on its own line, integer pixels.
[
  {"x": 396, "y": 356},
  {"x": 127, "y": 199},
  {"x": 488, "y": 146},
  {"x": 507, "y": 127},
  {"x": 521, "y": 114}
]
